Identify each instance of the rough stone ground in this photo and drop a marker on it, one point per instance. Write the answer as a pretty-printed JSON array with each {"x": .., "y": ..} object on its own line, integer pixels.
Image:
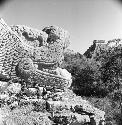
[{"x": 38, "y": 106}]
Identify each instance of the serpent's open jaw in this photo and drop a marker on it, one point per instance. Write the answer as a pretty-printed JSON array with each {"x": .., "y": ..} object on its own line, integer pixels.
[
  {"x": 47, "y": 67},
  {"x": 53, "y": 70}
]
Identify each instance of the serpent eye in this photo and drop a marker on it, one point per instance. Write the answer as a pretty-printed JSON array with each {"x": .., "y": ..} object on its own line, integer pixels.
[{"x": 50, "y": 40}]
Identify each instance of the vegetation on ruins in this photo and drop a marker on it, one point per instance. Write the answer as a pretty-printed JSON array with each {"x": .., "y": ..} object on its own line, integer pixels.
[
  {"x": 97, "y": 75},
  {"x": 39, "y": 90}
]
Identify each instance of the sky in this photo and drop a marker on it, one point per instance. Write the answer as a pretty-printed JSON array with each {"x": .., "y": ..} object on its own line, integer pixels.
[{"x": 85, "y": 20}]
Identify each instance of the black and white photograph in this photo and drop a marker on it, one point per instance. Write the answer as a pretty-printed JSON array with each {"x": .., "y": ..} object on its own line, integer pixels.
[{"x": 60, "y": 62}]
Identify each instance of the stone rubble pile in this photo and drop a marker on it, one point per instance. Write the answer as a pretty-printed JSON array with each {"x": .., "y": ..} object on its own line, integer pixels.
[{"x": 63, "y": 108}]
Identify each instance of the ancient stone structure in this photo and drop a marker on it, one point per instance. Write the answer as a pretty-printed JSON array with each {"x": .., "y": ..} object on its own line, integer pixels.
[
  {"x": 30, "y": 59},
  {"x": 99, "y": 45},
  {"x": 33, "y": 55}
]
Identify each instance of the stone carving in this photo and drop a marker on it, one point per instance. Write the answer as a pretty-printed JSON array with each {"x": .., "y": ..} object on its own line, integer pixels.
[
  {"x": 31, "y": 60},
  {"x": 34, "y": 55}
]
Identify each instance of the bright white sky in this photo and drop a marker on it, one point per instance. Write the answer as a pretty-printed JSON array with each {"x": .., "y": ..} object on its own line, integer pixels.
[{"x": 86, "y": 20}]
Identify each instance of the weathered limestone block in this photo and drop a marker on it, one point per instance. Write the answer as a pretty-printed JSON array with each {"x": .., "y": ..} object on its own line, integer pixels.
[
  {"x": 3, "y": 86},
  {"x": 31, "y": 92},
  {"x": 80, "y": 119},
  {"x": 67, "y": 118},
  {"x": 4, "y": 96},
  {"x": 14, "y": 88}
]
